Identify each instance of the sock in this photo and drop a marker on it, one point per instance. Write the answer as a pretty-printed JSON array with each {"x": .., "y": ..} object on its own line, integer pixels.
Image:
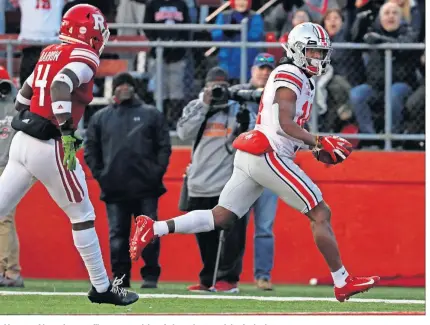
[
  {"x": 161, "y": 228},
  {"x": 87, "y": 243},
  {"x": 193, "y": 222},
  {"x": 339, "y": 277}
]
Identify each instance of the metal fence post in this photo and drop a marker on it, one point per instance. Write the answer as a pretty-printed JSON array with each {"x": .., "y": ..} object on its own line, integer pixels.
[
  {"x": 313, "y": 125},
  {"x": 243, "y": 51},
  {"x": 9, "y": 59},
  {"x": 159, "y": 82},
  {"x": 388, "y": 108}
]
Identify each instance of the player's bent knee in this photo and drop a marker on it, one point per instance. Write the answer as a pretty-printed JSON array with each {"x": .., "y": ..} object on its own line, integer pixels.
[
  {"x": 223, "y": 218},
  {"x": 321, "y": 213}
]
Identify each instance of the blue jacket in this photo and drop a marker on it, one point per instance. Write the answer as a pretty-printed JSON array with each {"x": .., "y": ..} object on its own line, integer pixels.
[{"x": 229, "y": 58}]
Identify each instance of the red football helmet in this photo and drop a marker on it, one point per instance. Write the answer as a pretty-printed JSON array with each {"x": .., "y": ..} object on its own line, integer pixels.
[{"x": 85, "y": 24}]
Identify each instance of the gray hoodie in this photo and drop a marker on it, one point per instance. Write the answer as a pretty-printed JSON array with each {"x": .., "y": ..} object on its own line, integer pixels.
[
  {"x": 212, "y": 161},
  {"x": 7, "y": 112}
]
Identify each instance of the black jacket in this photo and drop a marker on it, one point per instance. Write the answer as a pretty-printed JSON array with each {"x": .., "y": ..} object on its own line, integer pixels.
[
  {"x": 127, "y": 149},
  {"x": 345, "y": 62},
  {"x": 404, "y": 61}
]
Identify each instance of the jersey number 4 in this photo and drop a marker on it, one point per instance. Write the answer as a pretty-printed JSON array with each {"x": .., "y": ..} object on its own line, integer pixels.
[
  {"x": 43, "y": 4},
  {"x": 41, "y": 82}
]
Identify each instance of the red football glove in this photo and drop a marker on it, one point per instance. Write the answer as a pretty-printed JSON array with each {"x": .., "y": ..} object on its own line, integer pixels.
[{"x": 334, "y": 145}]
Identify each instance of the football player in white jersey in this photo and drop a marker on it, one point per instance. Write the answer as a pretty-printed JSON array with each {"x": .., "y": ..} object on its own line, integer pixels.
[{"x": 264, "y": 159}]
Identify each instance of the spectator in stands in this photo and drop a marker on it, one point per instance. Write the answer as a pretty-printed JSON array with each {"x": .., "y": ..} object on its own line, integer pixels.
[
  {"x": 415, "y": 111},
  {"x": 127, "y": 150},
  {"x": 279, "y": 19},
  {"x": 299, "y": 16},
  {"x": 265, "y": 206},
  {"x": 318, "y": 8},
  {"x": 346, "y": 63},
  {"x": 213, "y": 121},
  {"x": 410, "y": 12},
  {"x": 229, "y": 58},
  {"x": 366, "y": 13},
  {"x": 169, "y": 12},
  {"x": 40, "y": 21},
  {"x": 105, "y": 6},
  {"x": 333, "y": 88},
  {"x": 130, "y": 12},
  {"x": 10, "y": 270},
  {"x": 388, "y": 29}
]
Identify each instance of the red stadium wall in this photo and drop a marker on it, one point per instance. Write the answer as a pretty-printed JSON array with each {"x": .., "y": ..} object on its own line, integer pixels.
[{"x": 377, "y": 200}]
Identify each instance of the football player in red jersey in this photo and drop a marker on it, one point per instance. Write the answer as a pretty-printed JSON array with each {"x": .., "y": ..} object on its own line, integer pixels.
[{"x": 51, "y": 103}]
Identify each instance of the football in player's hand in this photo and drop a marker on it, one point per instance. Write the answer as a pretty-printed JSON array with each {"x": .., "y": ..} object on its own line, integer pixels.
[{"x": 325, "y": 157}]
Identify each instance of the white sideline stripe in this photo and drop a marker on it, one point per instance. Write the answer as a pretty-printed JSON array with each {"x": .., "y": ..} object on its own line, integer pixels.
[{"x": 204, "y": 296}]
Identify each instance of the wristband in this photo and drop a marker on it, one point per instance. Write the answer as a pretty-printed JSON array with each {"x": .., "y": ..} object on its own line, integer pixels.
[
  {"x": 21, "y": 99},
  {"x": 61, "y": 107}
]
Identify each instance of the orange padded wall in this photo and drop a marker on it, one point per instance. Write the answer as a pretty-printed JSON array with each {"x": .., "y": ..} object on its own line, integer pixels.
[{"x": 377, "y": 202}]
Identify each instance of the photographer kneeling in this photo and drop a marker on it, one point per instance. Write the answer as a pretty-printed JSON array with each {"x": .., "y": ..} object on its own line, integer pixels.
[{"x": 213, "y": 122}]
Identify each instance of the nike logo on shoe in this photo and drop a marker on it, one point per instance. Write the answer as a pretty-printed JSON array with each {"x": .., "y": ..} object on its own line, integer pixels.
[
  {"x": 144, "y": 236},
  {"x": 366, "y": 283}
]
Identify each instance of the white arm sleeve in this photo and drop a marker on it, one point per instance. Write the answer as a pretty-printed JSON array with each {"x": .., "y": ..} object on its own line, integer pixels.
[
  {"x": 82, "y": 71},
  {"x": 29, "y": 80}
]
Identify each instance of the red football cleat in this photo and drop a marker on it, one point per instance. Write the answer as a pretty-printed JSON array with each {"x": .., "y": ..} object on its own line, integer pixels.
[
  {"x": 355, "y": 285},
  {"x": 224, "y": 286},
  {"x": 198, "y": 288},
  {"x": 143, "y": 235}
]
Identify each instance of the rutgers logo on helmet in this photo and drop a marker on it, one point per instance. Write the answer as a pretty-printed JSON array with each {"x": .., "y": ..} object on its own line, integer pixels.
[
  {"x": 309, "y": 48},
  {"x": 85, "y": 24}
]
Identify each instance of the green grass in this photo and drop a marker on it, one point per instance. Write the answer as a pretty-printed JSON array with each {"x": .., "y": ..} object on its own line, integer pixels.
[{"x": 37, "y": 304}]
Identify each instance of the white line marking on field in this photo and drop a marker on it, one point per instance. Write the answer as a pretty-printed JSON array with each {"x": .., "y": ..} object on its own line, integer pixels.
[{"x": 204, "y": 296}]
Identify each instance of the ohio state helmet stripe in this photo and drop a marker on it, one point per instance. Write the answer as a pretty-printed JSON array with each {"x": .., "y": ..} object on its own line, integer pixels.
[{"x": 322, "y": 35}]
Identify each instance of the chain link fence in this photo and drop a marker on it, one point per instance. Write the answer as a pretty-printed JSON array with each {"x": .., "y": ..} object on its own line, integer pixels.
[
  {"x": 373, "y": 95},
  {"x": 351, "y": 97}
]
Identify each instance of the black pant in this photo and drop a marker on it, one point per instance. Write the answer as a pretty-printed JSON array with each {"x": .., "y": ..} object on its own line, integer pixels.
[
  {"x": 30, "y": 56},
  {"x": 230, "y": 265},
  {"x": 119, "y": 216}
]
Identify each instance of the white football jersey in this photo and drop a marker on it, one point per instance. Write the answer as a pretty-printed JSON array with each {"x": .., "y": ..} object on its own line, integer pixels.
[
  {"x": 40, "y": 19},
  {"x": 290, "y": 76}
]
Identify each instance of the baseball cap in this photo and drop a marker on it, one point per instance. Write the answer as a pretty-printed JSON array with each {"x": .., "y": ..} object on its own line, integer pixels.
[
  {"x": 216, "y": 74},
  {"x": 263, "y": 59}
]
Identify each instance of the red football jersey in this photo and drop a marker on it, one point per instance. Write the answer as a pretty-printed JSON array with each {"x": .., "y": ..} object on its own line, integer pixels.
[{"x": 52, "y": 60}]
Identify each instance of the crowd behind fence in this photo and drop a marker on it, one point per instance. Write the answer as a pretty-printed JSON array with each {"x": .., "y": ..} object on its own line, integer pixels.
[{"x": 384, "y": 133}]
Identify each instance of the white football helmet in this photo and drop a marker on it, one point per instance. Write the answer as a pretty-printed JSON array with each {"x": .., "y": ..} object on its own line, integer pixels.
[{"x": 304, "y": 41}]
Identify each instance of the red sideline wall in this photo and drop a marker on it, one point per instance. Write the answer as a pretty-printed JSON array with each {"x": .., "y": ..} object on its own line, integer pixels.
[{"x": 377, "y": 201}]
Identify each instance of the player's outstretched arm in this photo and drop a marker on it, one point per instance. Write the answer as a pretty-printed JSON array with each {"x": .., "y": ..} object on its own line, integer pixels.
[
  {"x": 284, "y": 106},
  {"x": 23, "y": 98}
]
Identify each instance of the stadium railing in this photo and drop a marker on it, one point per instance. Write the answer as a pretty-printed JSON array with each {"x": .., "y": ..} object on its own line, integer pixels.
[{"x": 119, "y": 45}]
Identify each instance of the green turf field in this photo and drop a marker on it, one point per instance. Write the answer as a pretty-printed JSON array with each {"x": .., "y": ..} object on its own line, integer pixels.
[{"x": 69, "y": 297}]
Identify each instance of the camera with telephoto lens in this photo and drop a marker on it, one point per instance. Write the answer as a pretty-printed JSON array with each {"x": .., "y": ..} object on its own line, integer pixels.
[
  {"x": 223, "y": 93},
  {"x": 246, "y": 95},
  {"x": 5, "y": 88}
]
